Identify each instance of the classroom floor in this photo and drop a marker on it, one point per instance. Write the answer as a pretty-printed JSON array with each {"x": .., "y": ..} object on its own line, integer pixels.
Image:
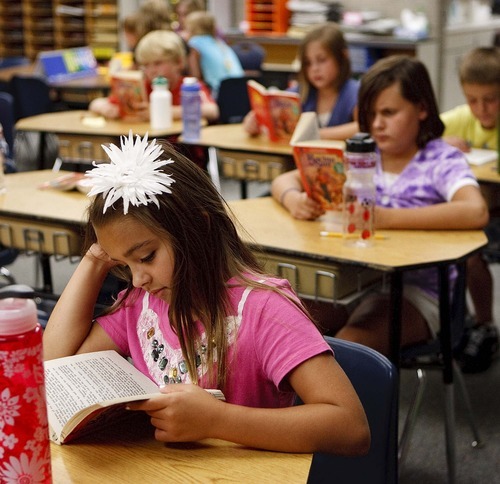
[{"x": 426, "y": 461}]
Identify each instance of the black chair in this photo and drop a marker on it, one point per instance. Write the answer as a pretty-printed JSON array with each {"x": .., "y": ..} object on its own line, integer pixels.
[
  {"x": 251, "y": 56},
  {"x": 31, "y": 96},
  {"x": 375, "y": 380},
  {"x": 13, "y": 61},
  {"x": 233, "y": 100},
  {"x": 428, "y": 356},
  {"x": 233, "y": 104},
  {"x": 7, "y": 119}
]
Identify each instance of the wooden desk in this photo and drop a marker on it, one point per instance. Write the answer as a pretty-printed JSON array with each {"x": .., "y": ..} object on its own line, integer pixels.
[
  {"x": 487, "y": 173},
  {"x": 236, "y": 155},
  {"x": 80, "y": 139},
  {"x": 129, "y": 454},
  {"x": 271, "y": 228}
]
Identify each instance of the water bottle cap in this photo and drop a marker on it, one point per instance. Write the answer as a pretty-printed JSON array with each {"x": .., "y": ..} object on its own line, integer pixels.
[
  {"x": 189, "y": 81},
  {"x": 17, "y": 310},
  {"x": 17, "y": 316},
  {"x": 160, "y": 82},
  {"x": 360, "y": 143}
]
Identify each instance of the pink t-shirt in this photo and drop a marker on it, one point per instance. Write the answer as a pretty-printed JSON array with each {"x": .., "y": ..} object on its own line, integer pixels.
[{"x": 268, "y": 336}]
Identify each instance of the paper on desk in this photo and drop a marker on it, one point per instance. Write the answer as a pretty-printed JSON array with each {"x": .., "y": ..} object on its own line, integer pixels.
[
  {"x": 478, "y": 156},
  {"x": 94, "y": 121}
]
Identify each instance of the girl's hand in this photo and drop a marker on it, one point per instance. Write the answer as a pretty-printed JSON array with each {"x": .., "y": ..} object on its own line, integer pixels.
[
  {"x": 301, "y": 206},
  {"x": 97, "y": 254},
  {"x": 250, "y": 124},
  {"x": 141, "y": 110},
  {"x": 105, "y": 108},
  {"x": 182, "y": 413},
  {"x": 457, "y": 142}
]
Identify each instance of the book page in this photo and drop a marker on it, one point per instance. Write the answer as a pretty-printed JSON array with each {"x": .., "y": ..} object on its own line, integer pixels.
[
  {"x": 76, "y": 382},
  {"x": 478, "y": 156},
  {"x": 307, "y": 128}
]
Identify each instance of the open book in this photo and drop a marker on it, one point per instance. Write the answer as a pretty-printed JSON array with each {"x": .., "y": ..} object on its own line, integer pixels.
[
  {"x": 86, "y": 391},
  {"x": 320, "y": 163},
  {"x": 128, "y": 88},
  {"x": 277, "y": 111},
  {"x": 478, "y": 156}
]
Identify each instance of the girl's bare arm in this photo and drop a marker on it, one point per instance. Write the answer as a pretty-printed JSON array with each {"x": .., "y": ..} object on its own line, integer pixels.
[
  {"x": 331, "y": 419},
  {"x": 70, "y": 329},
  {"x": 467, "y": 210}
]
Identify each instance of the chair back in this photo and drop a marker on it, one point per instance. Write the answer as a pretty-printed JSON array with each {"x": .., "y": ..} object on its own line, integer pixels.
[
  {"x": 13, "y": 61},
  {"x": 233, "y": 100},
  {"x": 7, "y": 119},
  {"x": 251, "y": 56},
  {"x": 375, "y": 380},
  {"x": 31, "y": 96}
]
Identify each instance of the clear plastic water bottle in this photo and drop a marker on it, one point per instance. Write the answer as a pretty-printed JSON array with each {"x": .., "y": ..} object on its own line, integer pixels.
[
  {"x": 160, "y": 104},
  {"x": 359, "y": 192},
  {"x": 24, "y": 442},
  {"x": 191, "y": 109}
]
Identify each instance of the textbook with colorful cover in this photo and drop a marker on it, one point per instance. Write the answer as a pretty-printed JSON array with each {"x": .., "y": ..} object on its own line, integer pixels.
[
  {"x": 277, "y": 111},
  {"x": 128, "y": 88},
  {"x": 87, "y": 391},
  {"x": 320, "y": 163}
]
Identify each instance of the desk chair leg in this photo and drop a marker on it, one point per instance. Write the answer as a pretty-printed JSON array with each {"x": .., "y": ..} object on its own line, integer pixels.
[
  {"x": 213, "y": 168},
  {"x": 411, "y": 418},
  {"x": 244, "y": 189},
  {"x": 458, "y": 377}
]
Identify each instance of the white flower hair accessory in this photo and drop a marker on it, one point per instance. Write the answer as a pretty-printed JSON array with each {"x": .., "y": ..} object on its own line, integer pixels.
[{"x": 131, "y": 174}]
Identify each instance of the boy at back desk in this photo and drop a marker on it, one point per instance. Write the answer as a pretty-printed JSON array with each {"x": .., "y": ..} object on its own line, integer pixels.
[{"x": 475, "y": 125}]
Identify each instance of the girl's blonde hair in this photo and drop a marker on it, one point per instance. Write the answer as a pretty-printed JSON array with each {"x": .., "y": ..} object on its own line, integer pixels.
[
  {"x": 160, "y": 44},
  {"x": 200, "y": 23},
  {"x": 332, "y": 39}
]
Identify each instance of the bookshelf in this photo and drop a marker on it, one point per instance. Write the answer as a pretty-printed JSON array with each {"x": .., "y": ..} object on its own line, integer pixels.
[
  {"x": 102, "y": 26},
  {"x": 28, "y": 27},
  {"x": 69, "y": 24},
  {"x": 11, "y": 30},
  {"x": 266, "y": 16},
  {"x": 38, "y": 26}
]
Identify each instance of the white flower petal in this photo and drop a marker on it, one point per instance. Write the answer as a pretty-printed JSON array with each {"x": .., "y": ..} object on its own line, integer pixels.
[{"x": 131, "y": 173}]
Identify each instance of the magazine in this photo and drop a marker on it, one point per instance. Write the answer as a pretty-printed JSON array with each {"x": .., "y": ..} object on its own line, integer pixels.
[
  {"x": 320, "y": 163},
  {"x": 128, "y": 88},
  {"x": 86, "y": 391},
  {"x": 277, "y": 111}
]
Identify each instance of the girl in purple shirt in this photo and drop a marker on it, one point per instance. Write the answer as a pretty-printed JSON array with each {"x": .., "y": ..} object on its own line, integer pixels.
[
  {"x": 198, "y": 312},
  {"x": 422, "y": 183}
]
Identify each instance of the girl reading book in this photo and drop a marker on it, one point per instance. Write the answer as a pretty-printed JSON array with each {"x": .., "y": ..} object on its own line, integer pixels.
[
  {"x": 422, "y": 183},
  {"x": 325, "y": 84},
  {"x": 199, "y": 312}
]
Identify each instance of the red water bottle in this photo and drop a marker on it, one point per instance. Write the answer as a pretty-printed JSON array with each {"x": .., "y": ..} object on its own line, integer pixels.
[{"x": 24, "y": 434}]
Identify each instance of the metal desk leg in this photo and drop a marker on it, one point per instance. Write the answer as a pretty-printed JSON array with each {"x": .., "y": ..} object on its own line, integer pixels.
[
  {"x": 396, "y": 302},
  {"x": 213, "y": 167},
  {"x": 46, "y": 273},
  {"x": 445, "y": 335},
  {"x": 395, "y": 326}
]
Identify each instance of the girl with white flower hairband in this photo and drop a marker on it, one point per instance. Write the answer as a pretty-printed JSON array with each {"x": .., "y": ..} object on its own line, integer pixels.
[{"x": 199, "y": 311}]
